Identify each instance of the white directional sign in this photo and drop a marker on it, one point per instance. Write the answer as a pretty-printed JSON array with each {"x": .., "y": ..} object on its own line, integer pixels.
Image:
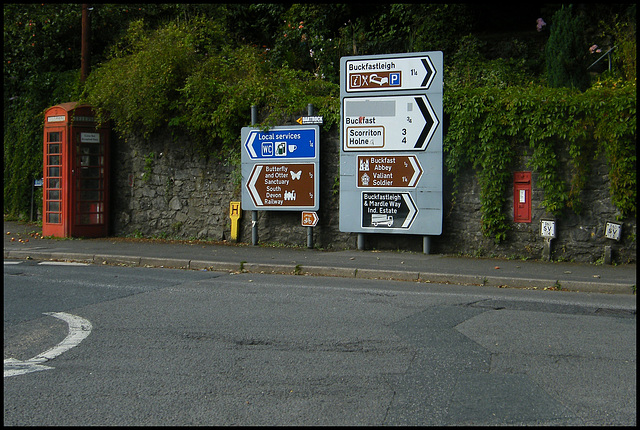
[
  {"x": 391, "y": 73},
  {"x": 394, "y": 123},
  {"x": 391, "y": 164}
]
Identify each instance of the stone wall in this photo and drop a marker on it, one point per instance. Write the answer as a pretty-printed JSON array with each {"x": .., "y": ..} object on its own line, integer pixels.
[{"x": 161, "y": 188}]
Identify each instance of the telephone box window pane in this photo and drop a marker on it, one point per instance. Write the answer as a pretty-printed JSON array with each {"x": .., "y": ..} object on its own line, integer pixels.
[
  {"x": 90, "y": 195},
  {"x": 53, "y": 206},
  {"x": 89, "y": 149},
  {"x": 55, "y": 136},
  {"x": 89, "y": 207},
  {"x": 53, "y": 195},
  {"x": 54, "y": 183},
  {"x": 54, "y": 148},
  {"x": 53, "y": 218},
  {"x": 90, "y": 172},
  {"x": 90, "y": 184},
  {"x": 89, "y": 213},
  {"x": 54, "y": 160},
  {"x": 90, "y": 218},
  {"x": 53, "y": 171},
  {"x": 91, "y": 160}
]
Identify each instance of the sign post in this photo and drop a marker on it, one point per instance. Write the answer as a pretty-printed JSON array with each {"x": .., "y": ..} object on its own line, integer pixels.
[{"x": 391, "y": 164}]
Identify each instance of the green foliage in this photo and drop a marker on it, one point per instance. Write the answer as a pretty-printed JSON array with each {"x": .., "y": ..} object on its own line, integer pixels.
[
  {"x": 624, "y": 56},
  {"x": 469, "y": 68},
  {"x": 184, "y": 77},
  {"x": 218, "y": 96},
  {"x": 486, "y": 122},
  {"x": 148, "y": 166},
  {"x": 565, "y": 52},
  {"x": 138, "y": 89}
]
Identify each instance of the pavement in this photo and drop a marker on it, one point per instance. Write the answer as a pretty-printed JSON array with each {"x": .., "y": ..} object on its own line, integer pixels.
[{"x": 25, "y": 241}]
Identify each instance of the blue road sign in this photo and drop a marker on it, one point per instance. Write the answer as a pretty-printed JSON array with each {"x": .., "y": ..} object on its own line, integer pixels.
[
  {"x": 394, "y": 79},
  {"x": 279, "y": 143}
]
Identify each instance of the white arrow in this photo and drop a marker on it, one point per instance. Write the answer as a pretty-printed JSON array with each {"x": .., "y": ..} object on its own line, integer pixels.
[
  {"x": 413, "y": 210},
  {"x": 417, "y": 171},
  {"x": 79, "y": 329},
  {"x": 255, "y": 195},
  {"x": 249, "y": 144},
  {"x": 13, "y": 367}
]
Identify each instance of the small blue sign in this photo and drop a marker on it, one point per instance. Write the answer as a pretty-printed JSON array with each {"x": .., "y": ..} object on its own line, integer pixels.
[
  {"x": 394, "y": 79},
  {"x": 282, "y": 143}
]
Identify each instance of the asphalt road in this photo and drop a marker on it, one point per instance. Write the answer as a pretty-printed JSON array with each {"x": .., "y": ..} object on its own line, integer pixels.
[{"x": 186, "y": 347}]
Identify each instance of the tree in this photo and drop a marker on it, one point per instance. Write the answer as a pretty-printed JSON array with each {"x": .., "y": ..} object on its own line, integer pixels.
[{"x": 566, "y": 52}]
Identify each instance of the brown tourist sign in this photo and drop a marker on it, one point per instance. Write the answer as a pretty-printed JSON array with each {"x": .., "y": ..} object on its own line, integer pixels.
[
  {"x": 397, "y": 171},
  {"x": 291, "y": 186}
]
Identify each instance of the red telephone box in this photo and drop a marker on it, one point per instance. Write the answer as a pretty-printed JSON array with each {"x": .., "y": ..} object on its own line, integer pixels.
[{"x": 75, "y": 196}]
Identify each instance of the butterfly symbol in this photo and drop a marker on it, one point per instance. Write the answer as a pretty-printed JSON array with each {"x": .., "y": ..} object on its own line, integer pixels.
[{"x": 295, "y": 175}]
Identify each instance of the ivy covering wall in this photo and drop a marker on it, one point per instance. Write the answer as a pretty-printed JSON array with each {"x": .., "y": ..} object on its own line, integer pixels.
[{"x": 485, "y": 123}]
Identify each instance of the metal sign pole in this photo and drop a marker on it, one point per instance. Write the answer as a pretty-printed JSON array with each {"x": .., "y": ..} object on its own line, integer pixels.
[
  {"x": 310, "y": 229},
  {"x": 254, "y": 214}
]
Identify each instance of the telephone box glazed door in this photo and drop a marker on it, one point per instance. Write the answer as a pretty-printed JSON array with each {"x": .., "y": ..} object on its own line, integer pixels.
[
  {"x": 90, "y": 186},
  {"x": 76, "y": 172}
]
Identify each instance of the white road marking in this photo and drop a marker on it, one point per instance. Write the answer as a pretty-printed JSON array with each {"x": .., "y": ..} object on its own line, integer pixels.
[
  {"x": 79, "y": 329},
  {"x": 61, "y": 263},
  {"x": 11, "y": 262}
]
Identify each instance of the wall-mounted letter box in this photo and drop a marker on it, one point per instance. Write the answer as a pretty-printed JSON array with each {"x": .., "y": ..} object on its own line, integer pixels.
[
  {"x": 522, "y": 197},
  {"x": 76, "y": 173}
]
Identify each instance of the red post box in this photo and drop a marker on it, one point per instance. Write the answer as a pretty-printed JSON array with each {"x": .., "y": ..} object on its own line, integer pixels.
[
  {"x": 522, "y": 197},
  {"x": 76, "y": 173}
]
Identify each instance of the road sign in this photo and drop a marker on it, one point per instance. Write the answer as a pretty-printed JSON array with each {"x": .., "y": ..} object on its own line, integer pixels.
[
  {"x": 281, "y": 143},
  {"x": 398, "y": 171},
  {"x": 385, "y": 73},
  {"x": 280, "y": 167},
  {"x": 282, "y": 186},
  {"x": 393, "y": 123},
  {"x": 309, "y": 219},
  {"x": 304, "y": 120},
  {"x": 384, "y": 210}
]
